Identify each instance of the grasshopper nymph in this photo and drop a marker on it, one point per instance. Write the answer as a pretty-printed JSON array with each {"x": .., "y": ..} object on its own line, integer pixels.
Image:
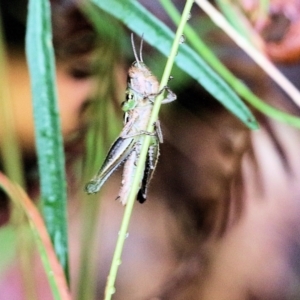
[{"x": 142, "y": 89}]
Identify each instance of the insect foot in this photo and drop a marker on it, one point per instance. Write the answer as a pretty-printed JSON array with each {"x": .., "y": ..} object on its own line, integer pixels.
[
  {"x": 171, "y": 96},
  {"x": 92, "y": 187}
]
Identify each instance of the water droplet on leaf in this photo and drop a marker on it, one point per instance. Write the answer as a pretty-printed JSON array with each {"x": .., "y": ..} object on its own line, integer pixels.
[
  {"x": 182, "y": 39},
  {"x": 112, "y": 290}
]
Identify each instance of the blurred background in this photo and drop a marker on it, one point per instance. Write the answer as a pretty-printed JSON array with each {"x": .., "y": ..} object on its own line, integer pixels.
[{"x": 221, "y": 219}]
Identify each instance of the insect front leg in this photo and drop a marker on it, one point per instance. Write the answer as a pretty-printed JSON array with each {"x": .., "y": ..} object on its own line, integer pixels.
[{"x": 171, "y": 96}]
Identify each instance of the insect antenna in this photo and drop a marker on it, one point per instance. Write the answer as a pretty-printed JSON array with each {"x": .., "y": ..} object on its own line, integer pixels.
[
  {"x": 141, "y": 48},
  {"x": 134, "y": 50}
]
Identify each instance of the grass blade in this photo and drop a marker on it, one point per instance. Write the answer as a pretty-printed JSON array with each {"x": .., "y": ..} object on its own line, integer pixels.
[{"x": 40, "y": 56}]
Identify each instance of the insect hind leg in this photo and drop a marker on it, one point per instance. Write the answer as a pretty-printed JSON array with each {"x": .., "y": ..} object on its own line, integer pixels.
[
  {"x": 151, "y": 161},
  {"x": 158, "y": 131}
]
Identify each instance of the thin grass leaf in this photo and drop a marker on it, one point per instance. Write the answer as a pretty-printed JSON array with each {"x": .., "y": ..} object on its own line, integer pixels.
[
  {"x": 239, "y": 87},
  {"x": 40, "y": 56},
  {"x": 255, "y": 54},
  {"x": 51, "y": 264},
  {"x": 157, "y": 34},
  {"x": 235, "y": 17}
]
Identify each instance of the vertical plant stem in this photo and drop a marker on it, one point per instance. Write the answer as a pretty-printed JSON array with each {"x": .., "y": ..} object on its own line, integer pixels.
[
  {"x": 40, "y": 56},
  {"x": 123, "y": 233}
]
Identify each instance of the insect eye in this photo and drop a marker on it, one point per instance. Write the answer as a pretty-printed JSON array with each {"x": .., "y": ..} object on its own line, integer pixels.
[
  {"x": 129, "y": 96},
  {"x": 129, "y": 103}
]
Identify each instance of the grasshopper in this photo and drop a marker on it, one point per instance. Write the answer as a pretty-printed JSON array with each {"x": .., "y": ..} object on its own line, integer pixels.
[{"x": 142, "y": 89}]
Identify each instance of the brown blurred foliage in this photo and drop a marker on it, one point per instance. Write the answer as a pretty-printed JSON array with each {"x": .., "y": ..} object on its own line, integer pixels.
[{"x": 280, "y": 27}]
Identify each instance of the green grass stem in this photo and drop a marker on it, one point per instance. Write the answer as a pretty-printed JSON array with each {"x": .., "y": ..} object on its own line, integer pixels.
[{"x": 110, "y": 286}]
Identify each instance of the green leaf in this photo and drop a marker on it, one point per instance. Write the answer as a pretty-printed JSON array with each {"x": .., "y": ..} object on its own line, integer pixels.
[
  {"x": 157, "y": 34},
  {"x": 40, "y": 56}
]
